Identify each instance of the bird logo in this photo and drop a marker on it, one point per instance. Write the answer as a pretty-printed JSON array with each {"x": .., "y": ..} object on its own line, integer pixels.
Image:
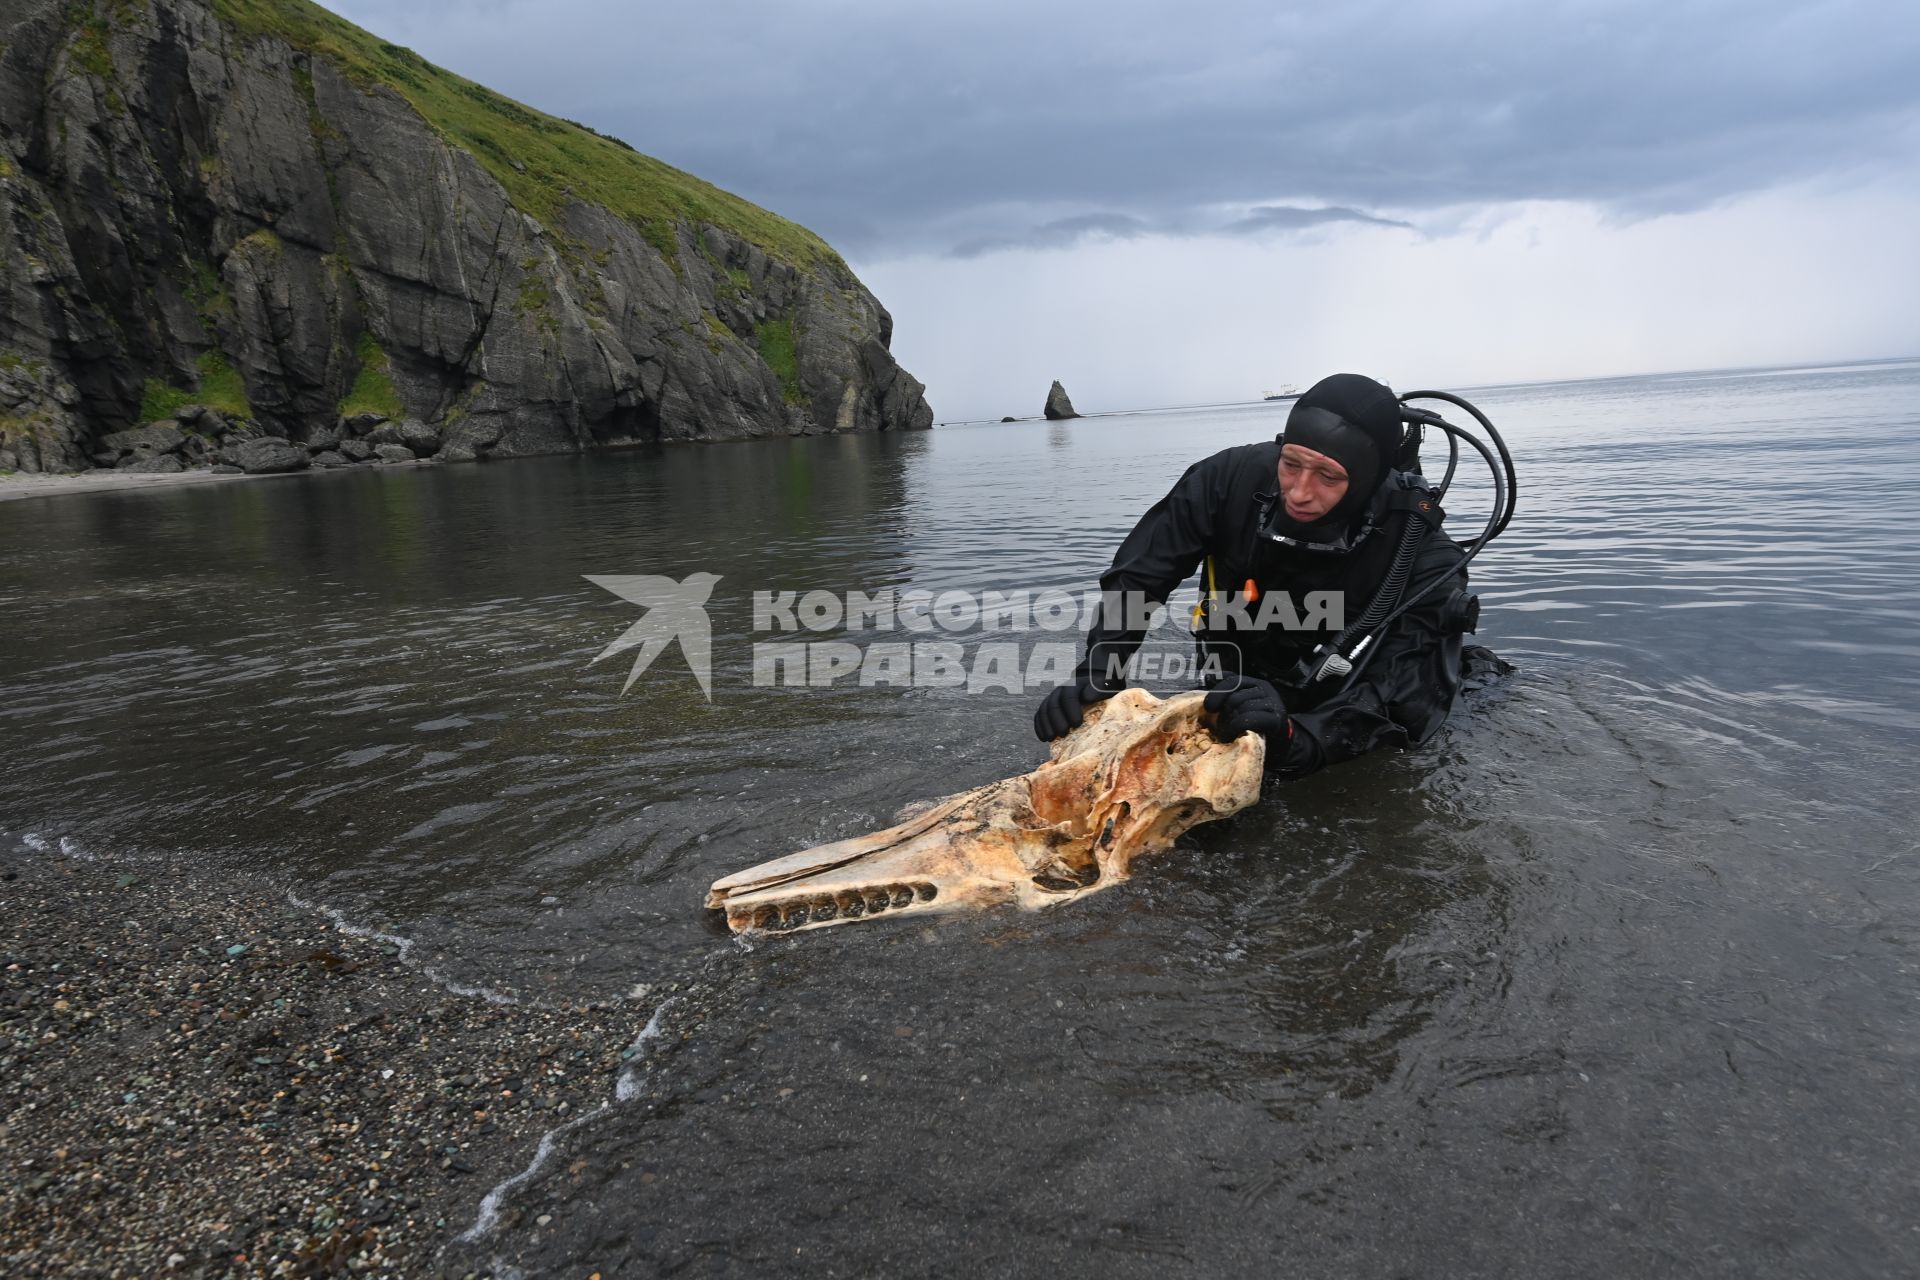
[{"x": 675, "y": 611}]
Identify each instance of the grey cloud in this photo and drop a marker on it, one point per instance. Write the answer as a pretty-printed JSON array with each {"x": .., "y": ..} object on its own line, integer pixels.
[
  {"x": 1286, "y": 217},
  {"x": 1061, "y": 233},
  {"x": 896, "y": 128},
  {"x": 1065, "y": 233}
]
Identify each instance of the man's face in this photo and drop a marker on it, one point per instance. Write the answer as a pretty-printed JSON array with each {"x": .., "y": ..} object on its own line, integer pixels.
[{"x": 1311, "y": 484}]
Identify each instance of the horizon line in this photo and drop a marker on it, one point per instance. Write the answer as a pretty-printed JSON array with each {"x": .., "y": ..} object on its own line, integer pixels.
[{"x": 1838, "y": 362}]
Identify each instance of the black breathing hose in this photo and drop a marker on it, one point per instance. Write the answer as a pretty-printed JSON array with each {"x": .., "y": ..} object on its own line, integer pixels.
[
  {"x": 1386, "y": 601},
  {"x": 1453, "y": 461},
  {"x": 1499, "y": 443},
  {"x": 1392, "y": 587}
]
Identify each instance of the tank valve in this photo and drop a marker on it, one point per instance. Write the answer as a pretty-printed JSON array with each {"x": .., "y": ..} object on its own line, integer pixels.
[{"x": 1460, "y": 615}]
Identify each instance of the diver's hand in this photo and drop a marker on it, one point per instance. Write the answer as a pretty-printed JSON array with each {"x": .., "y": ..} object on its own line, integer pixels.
[
  {"x": 1247, "y": 703},
  {"x": 1064, "y": 708}
]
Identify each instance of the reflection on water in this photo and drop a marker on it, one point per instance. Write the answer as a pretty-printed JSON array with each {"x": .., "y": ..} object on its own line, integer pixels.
[{"x": 1619, "y": 973}]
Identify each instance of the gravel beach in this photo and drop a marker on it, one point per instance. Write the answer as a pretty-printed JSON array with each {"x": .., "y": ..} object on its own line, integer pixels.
[
  {"x": 15, "y": 485},
  {"x": 203, "y": 1078},
  {"x": 32, "y": 484}
]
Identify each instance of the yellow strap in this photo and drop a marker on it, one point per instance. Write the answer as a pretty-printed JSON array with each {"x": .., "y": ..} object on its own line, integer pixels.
[{"x": 1200, "y": 610}]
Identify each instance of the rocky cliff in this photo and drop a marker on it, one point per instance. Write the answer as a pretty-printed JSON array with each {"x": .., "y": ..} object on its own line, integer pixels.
[{"x": 255, "y": 222}]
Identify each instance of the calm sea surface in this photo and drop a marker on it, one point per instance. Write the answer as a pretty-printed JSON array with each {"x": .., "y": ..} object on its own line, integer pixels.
[{"x": 1620, "y": 975}]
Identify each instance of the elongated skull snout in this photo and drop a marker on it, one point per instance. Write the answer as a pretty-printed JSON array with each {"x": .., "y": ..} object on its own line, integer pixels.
[{"x": 1137, "y": 774}]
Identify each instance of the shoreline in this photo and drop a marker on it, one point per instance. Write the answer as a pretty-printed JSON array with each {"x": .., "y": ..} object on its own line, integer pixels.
[
  {"x": 22, "y": 485},
  {"x": 203, "y": 1075},
  {"x": 19, "y": 485}
]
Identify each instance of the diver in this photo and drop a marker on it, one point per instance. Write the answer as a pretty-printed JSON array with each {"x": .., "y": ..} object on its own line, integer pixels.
[{"x": 1332, "y": 608}]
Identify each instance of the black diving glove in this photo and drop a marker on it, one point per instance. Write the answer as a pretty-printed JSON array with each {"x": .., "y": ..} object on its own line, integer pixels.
[
  {"x": 1247, "y": 703},
  {"x": 1065, "y": 707}
]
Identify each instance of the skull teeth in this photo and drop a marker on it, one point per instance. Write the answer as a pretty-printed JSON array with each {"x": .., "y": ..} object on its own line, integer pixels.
[{"x": 849, "y": 904}]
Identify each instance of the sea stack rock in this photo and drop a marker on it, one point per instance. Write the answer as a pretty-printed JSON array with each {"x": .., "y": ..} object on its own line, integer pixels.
[{"x": 1058, "y": 406}]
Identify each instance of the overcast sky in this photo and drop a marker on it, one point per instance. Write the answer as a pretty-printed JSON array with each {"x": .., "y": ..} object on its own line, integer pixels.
[{"x": 1164, "y": 204}]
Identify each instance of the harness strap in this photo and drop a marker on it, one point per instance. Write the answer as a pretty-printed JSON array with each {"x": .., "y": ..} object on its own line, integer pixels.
[{"x": 1207, "y": 593}]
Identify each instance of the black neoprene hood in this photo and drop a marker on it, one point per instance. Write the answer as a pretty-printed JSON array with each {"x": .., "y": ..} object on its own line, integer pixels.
[{"x": 1353, "y": 420}]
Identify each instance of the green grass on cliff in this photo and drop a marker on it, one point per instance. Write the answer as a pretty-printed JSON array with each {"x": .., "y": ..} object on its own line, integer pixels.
[
  {"x": 372, "y": 390},
  {"x": 221, "y": 387},
  {"x": 776, "y": 348},
  {"x": 538, "y": 158},
  {"x": 91, "y": 52}
]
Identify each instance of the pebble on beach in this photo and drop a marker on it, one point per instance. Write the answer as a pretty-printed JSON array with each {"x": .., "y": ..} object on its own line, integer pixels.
[{"x": 209, "y": 1080}]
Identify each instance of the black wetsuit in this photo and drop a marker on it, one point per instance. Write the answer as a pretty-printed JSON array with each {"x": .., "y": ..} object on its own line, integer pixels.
[{"x": 1401, "y": 697}]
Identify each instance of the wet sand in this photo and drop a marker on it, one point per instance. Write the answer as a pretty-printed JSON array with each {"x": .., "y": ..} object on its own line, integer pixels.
[
  {"x": 207, "y": 1076},
  {"x": 26, "y": 484}
]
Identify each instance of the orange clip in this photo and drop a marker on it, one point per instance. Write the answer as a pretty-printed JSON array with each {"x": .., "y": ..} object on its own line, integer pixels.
[{"x": 1253, "y": 591}]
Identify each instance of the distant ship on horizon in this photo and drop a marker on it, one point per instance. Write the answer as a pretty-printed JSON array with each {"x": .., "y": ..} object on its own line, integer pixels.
[{"x": 1287, "y": 391}]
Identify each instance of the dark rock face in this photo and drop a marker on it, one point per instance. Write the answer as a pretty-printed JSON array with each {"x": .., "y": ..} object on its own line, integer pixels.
[
  {"x": 155, "y": 437},
  {"x": 268, "y": 456},
  {"x": 1058, "y": 406},
  {"x": 40, "y": 426},
  {"x": 419, "y": 437},
  {"x": 220, "y": 216}
]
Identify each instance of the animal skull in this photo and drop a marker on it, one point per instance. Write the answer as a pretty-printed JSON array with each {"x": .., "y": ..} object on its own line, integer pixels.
[{"x": 1135, "y": 775}]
